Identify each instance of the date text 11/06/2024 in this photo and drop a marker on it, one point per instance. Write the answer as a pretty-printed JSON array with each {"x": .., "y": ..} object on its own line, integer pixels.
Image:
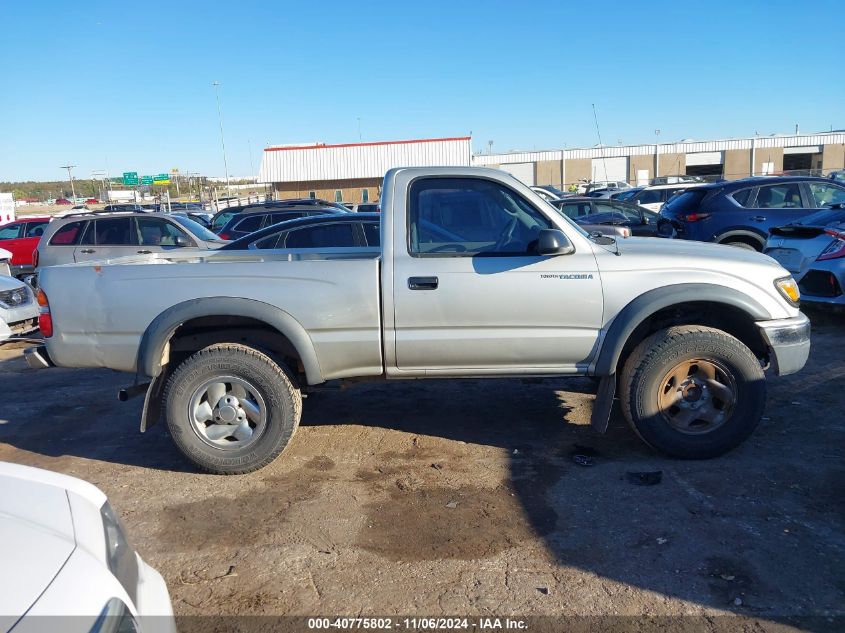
[{"x": 416, "y": 624}]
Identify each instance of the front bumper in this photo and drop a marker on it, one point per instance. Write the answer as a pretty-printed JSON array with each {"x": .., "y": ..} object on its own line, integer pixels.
[
  {"x": 788, "y": 341},
  {"x": 153, "y": 605}
]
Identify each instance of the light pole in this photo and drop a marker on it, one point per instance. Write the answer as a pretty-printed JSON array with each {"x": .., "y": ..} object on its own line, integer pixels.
[
  {"x": 70, "y": 177},
  {"x": 216, "y": 85}
]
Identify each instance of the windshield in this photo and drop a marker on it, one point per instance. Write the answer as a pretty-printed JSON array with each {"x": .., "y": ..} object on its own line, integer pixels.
[{"x": 197, "y": 229}]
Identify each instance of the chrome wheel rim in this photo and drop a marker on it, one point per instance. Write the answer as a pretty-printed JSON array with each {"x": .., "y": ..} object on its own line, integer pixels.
[
  {"x": 697, "y": 396},
  {"x": 227, "y": 413}
]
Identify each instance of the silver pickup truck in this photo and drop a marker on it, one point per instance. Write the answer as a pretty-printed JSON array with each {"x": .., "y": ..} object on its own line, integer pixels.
[{"x": 476, "y": 276}]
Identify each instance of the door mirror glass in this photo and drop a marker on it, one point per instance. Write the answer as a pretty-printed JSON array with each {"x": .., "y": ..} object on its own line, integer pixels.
[{"x": 554, "y": 242}]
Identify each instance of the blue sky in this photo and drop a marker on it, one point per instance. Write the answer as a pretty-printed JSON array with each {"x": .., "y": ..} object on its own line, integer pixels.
[{"x": 128, "y": 86}]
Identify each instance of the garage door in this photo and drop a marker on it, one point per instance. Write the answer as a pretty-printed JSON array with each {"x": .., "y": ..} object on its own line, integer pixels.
[
  {"x": 610, "y": 168},
  {"x": 521, "y": 171}
]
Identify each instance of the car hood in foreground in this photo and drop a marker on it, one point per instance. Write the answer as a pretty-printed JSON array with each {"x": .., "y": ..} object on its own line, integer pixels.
[{"x": 10, "y": 283}]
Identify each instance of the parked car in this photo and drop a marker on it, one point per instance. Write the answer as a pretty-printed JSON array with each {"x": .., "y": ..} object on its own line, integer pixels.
[
  {"x": 251, "y": 220},
  {"x": 67, "y": 563},
  {"x": 200, "y": 217},
  {"x": 99, "y": 236},
  {"x": 18, "y": 310},
  {"x": 92, "y": 201},
  {"x": 609, "y": 216},
  {"x": 476, "y": 276},
  {"x": 655, "y": 196},
  {"x": 617, "y": 185},
  {"x": 548, "y": 192},
  {"x": 365, "y": 207},
  {"x": 813, "y": 250},
  {"x": 336, "y": 230},
  {"x": 741, "y": 212},
  {"x": 129, "y": 208},
  {"x": 838, "y": 175},
  {"x": 675, "y": 180},
  {"x": 21, "y": 237},
  {"x": 626, "y": 194},
  {"x": 63, "y": 201}
]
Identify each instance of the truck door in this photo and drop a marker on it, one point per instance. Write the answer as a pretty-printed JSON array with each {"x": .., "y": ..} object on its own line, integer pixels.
[{"x": 470, "y": 292}]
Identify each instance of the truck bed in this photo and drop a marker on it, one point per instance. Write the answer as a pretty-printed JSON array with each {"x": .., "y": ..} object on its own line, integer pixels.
[{"x": 334, "y": 295}]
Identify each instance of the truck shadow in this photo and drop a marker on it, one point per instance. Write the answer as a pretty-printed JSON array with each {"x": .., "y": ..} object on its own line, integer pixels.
[{"x": 739, "y": 534}]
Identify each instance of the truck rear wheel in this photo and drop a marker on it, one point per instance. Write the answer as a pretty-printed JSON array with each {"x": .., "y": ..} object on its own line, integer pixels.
[
  {"x": 231, "y": 409},
  {"x": 692, "y": 391}
]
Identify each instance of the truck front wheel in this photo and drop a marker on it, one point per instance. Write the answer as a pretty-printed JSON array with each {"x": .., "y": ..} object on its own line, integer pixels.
[
  {"x": 692, "y": 392},
  {"x": 231, "y": 409}
]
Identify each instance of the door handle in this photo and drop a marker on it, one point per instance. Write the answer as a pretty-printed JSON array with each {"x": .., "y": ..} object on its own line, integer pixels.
[
  {"x": 422, "y": 283},
  {"x": 758, "y": 218},
  {"x": 145, "y": 252},
  {"x": 87, "y": 251}
]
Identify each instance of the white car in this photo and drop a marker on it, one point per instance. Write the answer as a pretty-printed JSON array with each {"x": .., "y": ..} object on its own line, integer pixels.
[
  {"x": 18, "y": 310},
  {"x": 65, "y": 555},
  {"x": 655, "y": 196}
]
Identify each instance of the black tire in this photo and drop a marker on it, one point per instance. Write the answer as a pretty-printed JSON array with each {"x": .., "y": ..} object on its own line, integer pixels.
[
  {"x": 271, "y": 380},
  {"x": 642, "y": 379},
  {"x": 745, "y": 245}
]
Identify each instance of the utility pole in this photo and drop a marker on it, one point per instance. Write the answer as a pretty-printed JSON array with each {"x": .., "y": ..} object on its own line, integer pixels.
[
  {"x": 216, "y": 85},
  {"x": 70, "y": 177}
]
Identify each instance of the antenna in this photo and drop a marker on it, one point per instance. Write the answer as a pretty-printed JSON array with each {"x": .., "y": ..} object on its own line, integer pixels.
[{"x": 598, "y": 133}]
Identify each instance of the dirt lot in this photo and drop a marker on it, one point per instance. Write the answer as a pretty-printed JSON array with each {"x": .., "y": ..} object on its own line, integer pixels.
[{"x": 462, "y": 497}]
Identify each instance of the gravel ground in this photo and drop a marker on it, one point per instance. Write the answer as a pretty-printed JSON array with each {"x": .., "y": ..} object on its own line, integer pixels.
[{"x": 463, "y": 498}]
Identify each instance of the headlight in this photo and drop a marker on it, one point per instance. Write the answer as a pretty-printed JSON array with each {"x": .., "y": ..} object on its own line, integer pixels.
[
  {"x": 788, "y": 290},
  {"x": 120, "y": 556}
]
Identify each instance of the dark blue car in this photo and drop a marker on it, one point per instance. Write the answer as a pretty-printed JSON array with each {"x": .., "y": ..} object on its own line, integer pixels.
[{"x": 741, "y": 212}]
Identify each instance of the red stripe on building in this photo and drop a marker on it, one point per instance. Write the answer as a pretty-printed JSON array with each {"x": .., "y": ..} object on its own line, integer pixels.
[{"x": 421, "y": 140}]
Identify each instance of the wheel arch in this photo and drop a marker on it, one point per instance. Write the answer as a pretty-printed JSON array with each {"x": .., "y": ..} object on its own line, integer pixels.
[
  {"x": 153, "y": 351},
  {"x": 692, "y": 303},
  {"x": 743, "y": 235}
]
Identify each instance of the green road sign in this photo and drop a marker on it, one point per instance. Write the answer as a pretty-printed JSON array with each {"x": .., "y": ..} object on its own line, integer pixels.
[
  {"x": 146, "y": 180},
  {"x": 161, "y": 179},
  {"x": 130, "y": 178}
]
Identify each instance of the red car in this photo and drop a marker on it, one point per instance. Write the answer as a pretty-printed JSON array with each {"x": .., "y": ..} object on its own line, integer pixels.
[
  {"x": 92, "y": 201},
  {"x": 21, "y": 238},
  {"x": 63, "y": 201}
]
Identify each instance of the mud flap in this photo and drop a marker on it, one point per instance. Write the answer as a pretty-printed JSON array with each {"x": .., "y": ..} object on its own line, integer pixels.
[
  {"x": 600, "y": 419},
  {"x": 153, "y": 402}
]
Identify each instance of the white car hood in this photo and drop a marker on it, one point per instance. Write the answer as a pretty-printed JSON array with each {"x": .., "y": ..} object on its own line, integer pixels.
[
  {"x": 9, "y": 283},
  {"x": 36, "y": 530},
  {"x": 4, "y": 254}
]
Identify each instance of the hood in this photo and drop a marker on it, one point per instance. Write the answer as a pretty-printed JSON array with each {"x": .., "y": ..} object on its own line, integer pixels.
[
  {"x": 36, "y": 528},
  {"x": 652, "y": 252},
  {"x": 4, "y": 254},
  {"x": 10, "y": 283}
]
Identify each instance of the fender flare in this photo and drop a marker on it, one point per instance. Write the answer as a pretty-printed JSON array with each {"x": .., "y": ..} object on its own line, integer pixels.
[
  {"x": 161, "y": 330},
  {"x": 761, "y": 239},
  {"x": 645, "y": 305}
]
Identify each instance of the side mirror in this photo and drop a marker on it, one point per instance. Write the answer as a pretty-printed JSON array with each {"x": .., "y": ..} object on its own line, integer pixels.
[
  {"x": 554, "y": 242},
  {"x": 181, "y": 240}
]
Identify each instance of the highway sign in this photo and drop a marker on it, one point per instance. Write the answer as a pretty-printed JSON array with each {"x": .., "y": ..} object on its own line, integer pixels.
[
  {"x": 130, "y": 178},
  {"x": 146, "y": 180},
  {"x": 161, "y": 179}
]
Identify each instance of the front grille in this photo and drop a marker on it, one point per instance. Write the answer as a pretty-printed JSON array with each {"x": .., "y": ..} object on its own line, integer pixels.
[
  {"x": 820, "y": 283},
  {"x": 24, "y": 327},
  {"x": 15, "y": 298}
]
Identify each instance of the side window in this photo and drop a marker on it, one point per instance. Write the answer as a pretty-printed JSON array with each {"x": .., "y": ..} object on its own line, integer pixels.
[
  {"x": 157, "y": 232},
  {"x": 68, "y": 234},
  {"x": 372, "y": 233},
  {"x": 649, "y": 196},
  {"x": 741, "y": 197},
  {"x": 250, "y": 223},
  {"x": 114, "y": 232},
  {"x": 785, "y": 196},
  {"x": 365, "y": 195},
  {"x": 575, "y": 210},
  {"x": 11, "y": 232},
  {"x": 268, "y": 242},
  {"x": 825, "y": 195},
  {"x": 35, "y": 229},
  {"x": 275, "y": 218},
  {"x": 470, "y": 216},
  {"x": 322, "y": 236}
]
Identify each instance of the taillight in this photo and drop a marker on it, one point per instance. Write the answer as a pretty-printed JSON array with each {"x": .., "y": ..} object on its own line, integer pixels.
[
  {"x": 836, "y": 248},
  {"x": 45, "y": 319},
  {"x": 35, "y": 258},
  {"x": 224, "y": 236},
  {"x": 695, "y": 217},
  {"x": 626, "y": 232}
]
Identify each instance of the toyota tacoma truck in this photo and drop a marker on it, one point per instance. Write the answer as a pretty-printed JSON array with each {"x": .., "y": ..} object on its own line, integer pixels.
[{"x": 475, "y": 277}]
